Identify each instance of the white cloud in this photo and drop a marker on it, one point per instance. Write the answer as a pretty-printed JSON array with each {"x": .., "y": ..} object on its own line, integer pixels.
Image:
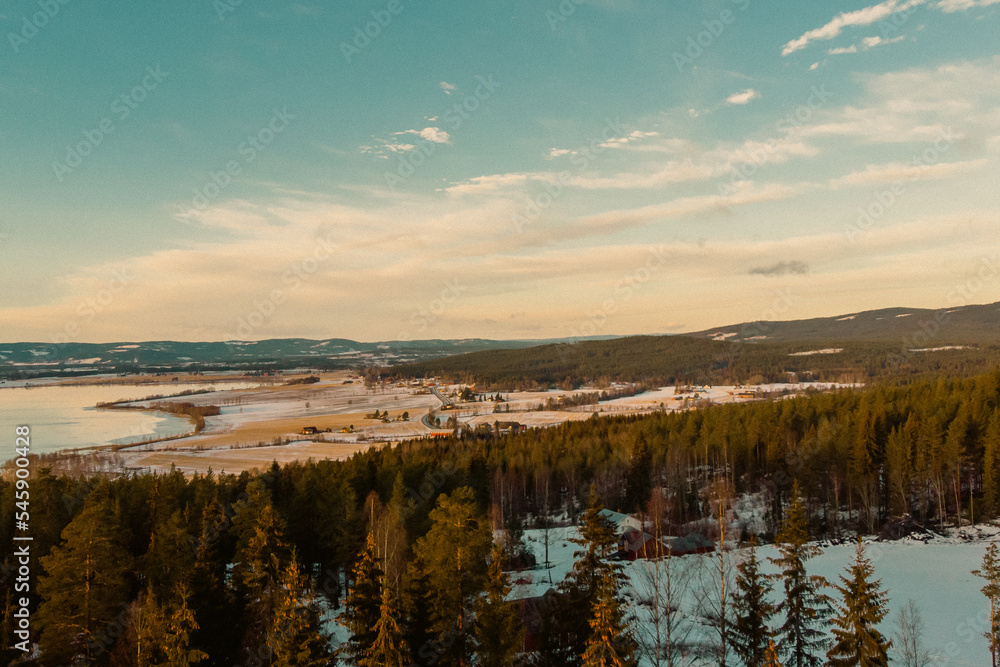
[
  {"x": 866, "y": 43},
  {"x": 745, "y": 97},
  {"x": 898, "y": 171},
  {"x": 559, "y": 152},
  {"x": 619, "y": 142},
  {"x": 434, "y": 134},
  {"x": 813, "y": 66},
  {"x": 448, "y": 88},
  {"x": 951, "y": 6},
  {"x": 487, "y": 184},
  {"x": 857, "y": 18}
]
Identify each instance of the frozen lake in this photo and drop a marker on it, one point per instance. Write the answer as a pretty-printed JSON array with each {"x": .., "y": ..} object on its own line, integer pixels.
[{"x": 64, "y": 417}]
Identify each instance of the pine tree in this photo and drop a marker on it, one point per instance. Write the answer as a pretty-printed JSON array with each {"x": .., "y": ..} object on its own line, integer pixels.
[
  {"x": 610, "y": 643},
  {"x": 83, "y": 588},
  {"x": 170, "y": 557},
  {"x": 454, "y": 553},
  {"x": 991, "y": 573},
  {"x": 163, "y": 634},
  {"x": 751, "y": 634},
  {"x": 364, "y": 602},
  {"x": 217, "y": 634},
  {"x": 857, "y": 640},
  {"x": 295, "y": 638},
  {"x": 257, "y": 567},
  {"x": 579, "y": 590},
  {"x": 497, "y": 626},
  {"x": 389, "y": 648},
  {"x": 804, "y": 605}
]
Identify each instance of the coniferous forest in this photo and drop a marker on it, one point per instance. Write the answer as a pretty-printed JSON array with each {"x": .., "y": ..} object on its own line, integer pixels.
[{"x": 410, "y": 547}]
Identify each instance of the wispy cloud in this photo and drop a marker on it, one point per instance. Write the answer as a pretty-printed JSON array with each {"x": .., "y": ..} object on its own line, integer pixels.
[
  {"x": 857, "y": 18},
  {"x": 745, "y": 97},
  {"x": 951, "y": 6},
  {"x": 448, "y": 88},
  {"x": 898, "y": 171}
]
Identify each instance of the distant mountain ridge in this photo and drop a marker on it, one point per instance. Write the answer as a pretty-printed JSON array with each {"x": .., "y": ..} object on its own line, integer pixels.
[
  {"x": 961, "y": 324},
  {"x": 48, "y": 358},
  {"x": 902, "y": 327}
]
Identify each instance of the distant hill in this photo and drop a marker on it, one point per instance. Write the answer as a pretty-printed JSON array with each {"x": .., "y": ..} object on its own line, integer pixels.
[
  {"x": 34, "y": 359},
  {"x": 964, "y": 324},
  {"x": 854, "y": 347}
]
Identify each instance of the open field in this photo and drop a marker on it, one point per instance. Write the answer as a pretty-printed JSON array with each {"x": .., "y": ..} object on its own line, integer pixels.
[{"x": 262, "y": 424}]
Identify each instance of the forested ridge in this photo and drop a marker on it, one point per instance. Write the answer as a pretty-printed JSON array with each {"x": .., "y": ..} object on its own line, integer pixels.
[
  {"x": 232, "y": 570},
  {"x": 669, "y": 360}
]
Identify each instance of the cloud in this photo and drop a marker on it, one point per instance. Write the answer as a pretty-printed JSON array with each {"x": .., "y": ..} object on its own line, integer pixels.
[
  {"x": 487, "y": 184},
  {"x": 781, "y": 269},
  {"x": 434, "y": 134},
  {"x": 952, "y": 6},
  {"x": 619, "y": 142},
  {"x": 866, "y": 44},
  {"x": 745, "y": 97},
  {"x": 559, "y": 152},
  {"x": 857, "y": 18},
  {"x": 448, "y": 88},
  {"x": 898, "y": 171}
]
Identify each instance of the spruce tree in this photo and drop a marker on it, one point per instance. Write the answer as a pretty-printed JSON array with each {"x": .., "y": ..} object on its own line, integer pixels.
[
  {"x": 84, "y": 587},
  {"x": 257, "y": 568},
  {"x": 857, "y": 640},
  {"x": 610, "y": 643},
  {"x": 163, "y": 633},
  {"x": 454, "y": 553},
  {"x": 497, "y": 627},
  {"x": 170, "y": 558},
  {"x": 751, "y": 633},
  {"x": 389, "y": 648},
  {"x": 579, "y": 590},
  {"x": 295, "y": 638},
  {"x": 991, "y": 573},
  {"x": 801, "y": 640},
  {"x": 364, "y": 602},
  {"x": 212, "y": 601}
]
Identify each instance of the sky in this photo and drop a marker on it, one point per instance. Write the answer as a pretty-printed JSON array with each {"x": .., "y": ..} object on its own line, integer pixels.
[{"x": 514, "y": 169}]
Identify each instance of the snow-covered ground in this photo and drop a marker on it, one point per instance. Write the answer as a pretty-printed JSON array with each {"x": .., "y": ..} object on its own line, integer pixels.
[{"x": 936, "y": 575}]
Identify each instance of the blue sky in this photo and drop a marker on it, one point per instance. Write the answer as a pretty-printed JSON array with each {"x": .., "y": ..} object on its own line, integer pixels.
[{"x": 513, "y": 169}]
